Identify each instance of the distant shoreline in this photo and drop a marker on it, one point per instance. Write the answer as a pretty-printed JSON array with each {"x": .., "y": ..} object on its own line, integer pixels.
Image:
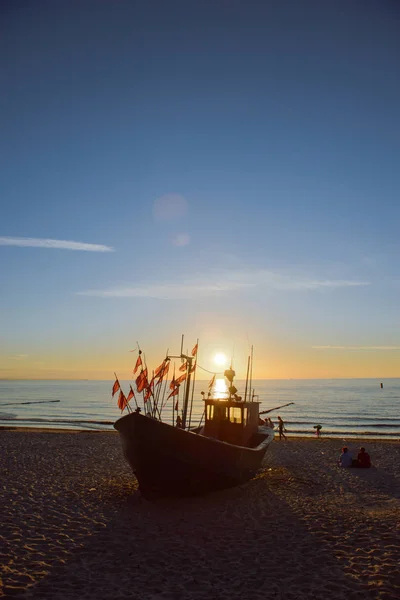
[{"x": 53, "y": 430}]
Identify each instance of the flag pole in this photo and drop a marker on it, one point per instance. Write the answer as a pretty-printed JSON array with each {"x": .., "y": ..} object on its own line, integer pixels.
[
  {"x": 251, "y": 371},
  {"x": 194, "y": 383},
  {"x": 157, "y": 395},
  {"x": 247, "y": 378},
  {"x": 173, "y": 403}
]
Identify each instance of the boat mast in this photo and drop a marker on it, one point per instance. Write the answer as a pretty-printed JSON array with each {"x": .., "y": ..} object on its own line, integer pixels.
[
  {"x": 187, "y": 389},
  {"x": 194, "y": 381},
  {"x": 247, "y": 378},
  {"x": 189, "y": 360},
  {"x": 251, "y": 372}
]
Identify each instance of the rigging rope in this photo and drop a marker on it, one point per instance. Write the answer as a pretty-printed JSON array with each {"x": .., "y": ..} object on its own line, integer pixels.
[{"x": 212, "y": 372}]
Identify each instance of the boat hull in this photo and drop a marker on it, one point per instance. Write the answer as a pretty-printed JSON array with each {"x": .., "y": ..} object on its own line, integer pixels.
[{"x": 170, "y": 461}]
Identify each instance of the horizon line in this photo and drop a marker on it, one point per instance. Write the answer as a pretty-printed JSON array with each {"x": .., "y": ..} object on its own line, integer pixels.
[{"x": 238, "y": 378}]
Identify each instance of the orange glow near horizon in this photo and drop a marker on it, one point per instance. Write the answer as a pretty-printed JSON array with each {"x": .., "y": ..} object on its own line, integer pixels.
[{"x": 277, "y": 363}]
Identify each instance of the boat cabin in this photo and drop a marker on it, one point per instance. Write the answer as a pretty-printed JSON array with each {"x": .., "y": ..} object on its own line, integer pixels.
[{"x": 231, "y": 421}]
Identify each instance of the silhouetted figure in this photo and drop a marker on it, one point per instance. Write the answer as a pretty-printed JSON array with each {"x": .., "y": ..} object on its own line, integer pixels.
[
  {"x": 281, "y": 428},
  {"x": 318, "y": 430},
  {"x": 179, "y": 422}
]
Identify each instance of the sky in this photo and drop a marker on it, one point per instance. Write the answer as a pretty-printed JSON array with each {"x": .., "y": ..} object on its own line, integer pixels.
[{"x": 224, "y": 169}]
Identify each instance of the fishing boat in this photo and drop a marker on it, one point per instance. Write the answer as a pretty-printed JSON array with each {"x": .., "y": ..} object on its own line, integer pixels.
[{"x": 225, "y": 451}]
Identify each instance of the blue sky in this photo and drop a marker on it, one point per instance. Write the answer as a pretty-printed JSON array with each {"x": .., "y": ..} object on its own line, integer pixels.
[{"x": 237, "y": 161}]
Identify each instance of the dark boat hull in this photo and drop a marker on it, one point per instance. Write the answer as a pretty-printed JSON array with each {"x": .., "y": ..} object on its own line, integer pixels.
[{"x": 173, "y": 462}]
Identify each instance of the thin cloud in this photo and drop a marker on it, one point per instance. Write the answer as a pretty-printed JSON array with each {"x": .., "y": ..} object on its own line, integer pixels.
[
  {"x": 281, "y": 281},
  {"x": 218, "y": 282},
  {"x": 53, "y": 244},
  {"x": 168, "y": 291},
  {"x": 384, "y": 348},
  {"x": 18, "y": 357}
]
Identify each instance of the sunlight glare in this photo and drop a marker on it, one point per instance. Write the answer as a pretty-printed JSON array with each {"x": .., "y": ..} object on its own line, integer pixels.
[
  {"x": 220, "y": 389},
  {"x": 220, "y": 359}
]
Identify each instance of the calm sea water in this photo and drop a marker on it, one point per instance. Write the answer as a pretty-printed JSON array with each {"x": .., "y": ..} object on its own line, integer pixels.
[{"x": 356, "y": 407}]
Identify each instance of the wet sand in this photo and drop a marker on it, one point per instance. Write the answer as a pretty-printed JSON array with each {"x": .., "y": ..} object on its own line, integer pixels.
[{"x": 73, "y": 525}]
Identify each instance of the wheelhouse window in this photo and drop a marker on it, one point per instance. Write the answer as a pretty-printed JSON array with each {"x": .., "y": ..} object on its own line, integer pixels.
[
  {"x": 222, "y": 413},
  {"x": 235, "y": 414},
  {"x": 210, "y": 412}
]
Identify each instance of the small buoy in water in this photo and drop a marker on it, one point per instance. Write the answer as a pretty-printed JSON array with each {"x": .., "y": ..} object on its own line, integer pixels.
[{"x": 381, "y": 385}]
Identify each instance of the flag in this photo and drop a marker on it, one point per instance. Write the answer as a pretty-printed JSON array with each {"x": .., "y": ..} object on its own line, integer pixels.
[
  {"x": 115, "y": 387},
  {"x": 192, "y": 370},
  {"x": 147, "y": 394},
  {"x": 130, "y": 395},
  {"x": 174, "y": 392},
  {"x": 180, "y": 379},
  {"x": 183, "y": 367},
  {"x": 141, "y": 381},
  {"x": 211, "y": 382},
  {"x": 163, "y": 372},
  {"x": 160, "y": 369},
  {"x": 138, "y": 363},
  {"x": 194, "y": 351},
  {"x": 172, "y": 384},
  {"x": 177, "y": 405},
  {"x": 122, "y": 402},
  {"x": 148, "y": 390}
]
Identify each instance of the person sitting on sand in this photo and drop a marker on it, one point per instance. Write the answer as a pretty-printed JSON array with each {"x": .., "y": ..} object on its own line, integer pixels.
[
  {"x": 281, "y": 428},
  {"x": 345, "y": 459},
  {"x": 269, "y": 423},
  {"x": 363, "y": 460}
]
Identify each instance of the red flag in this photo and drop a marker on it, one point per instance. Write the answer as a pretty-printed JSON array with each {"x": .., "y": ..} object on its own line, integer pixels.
[
  {"x": 147, "y": 394},
  {"x": 122, "y": 402},
  {"x": 192, "y": 370},
  {"x": 174, "y": 392},
  {"x": 138, "y": 363},
  {"x": 130, "y": 395},
  {"x": 177, "y": 405},
  {"x": 141, "y": 381},
  {"x": 194, "y": 351},
  {"x": 172, "y": 384},
  {"x": 183, "y": 367},
  {"x": 180, "y": 379},
  {"x": 162, "y": 373},
  {"x": 116, "y": 387},
  {"x": 148, "y": 390},
  {"x": 211, "y": 383},
  {"x": 159, "y": 369}
]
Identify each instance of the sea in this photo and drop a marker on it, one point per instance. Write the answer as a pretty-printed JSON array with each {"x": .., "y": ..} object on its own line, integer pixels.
[{"x": 343, "y": 407}]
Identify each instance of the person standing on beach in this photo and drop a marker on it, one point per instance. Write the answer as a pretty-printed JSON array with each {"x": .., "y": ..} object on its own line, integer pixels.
[{"x": 281, "y": 428}]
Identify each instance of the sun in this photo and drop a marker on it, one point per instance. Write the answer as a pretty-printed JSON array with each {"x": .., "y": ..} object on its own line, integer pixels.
[{"x": 220, "y": 359}]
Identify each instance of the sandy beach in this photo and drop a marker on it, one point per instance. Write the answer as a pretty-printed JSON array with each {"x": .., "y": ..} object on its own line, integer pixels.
[{"x": 73, "y": 525}]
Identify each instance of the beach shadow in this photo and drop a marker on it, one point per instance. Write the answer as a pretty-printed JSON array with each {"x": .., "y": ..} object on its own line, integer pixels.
[
  {"x": 380, "y": 479},
  {"x": 76, "y": 527},
  {"x": 241, "y": 543}
]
